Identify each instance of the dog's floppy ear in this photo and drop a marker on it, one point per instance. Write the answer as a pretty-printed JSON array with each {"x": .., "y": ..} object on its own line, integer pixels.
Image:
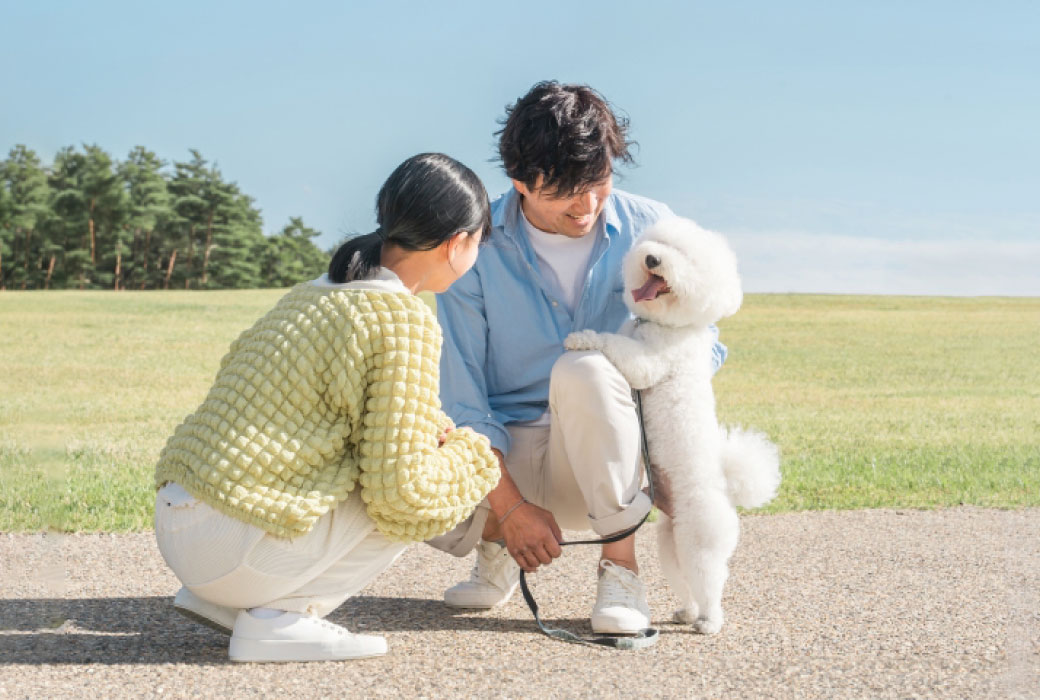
[
  {"x": 731, "y": 296},
  {"x": 726, "y": 292}
]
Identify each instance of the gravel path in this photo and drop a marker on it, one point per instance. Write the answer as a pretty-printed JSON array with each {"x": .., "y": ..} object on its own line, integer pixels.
[{"x": 867, "y": 604}]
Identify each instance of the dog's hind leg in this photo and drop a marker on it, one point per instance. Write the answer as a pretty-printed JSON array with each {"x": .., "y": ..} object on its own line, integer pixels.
[
  {"x": 687, "y": 611},
  {"x": 706, "y": 538}
]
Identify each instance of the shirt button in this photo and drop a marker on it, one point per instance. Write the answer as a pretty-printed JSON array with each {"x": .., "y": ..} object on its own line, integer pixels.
[{"x": 555, "y": 304}]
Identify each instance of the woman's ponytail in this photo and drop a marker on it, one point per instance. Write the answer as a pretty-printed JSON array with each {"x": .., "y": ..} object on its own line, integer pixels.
[{"x": 357, "y": 259}]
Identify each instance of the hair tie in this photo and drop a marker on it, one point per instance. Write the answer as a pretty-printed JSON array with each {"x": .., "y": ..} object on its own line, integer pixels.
[{"x": 381, "y": 233}]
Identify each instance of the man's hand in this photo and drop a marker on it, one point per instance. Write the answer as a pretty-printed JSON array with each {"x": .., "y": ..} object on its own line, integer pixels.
[
  {"x": 531, "y": 533},
  {"x": 532, "y": 536}
]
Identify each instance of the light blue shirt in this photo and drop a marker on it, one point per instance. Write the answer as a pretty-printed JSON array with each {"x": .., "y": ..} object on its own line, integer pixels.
[{"x": 504, "y": 323}]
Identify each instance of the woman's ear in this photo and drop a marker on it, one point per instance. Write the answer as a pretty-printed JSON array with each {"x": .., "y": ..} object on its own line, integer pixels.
[{"x": 454, "y": 244}]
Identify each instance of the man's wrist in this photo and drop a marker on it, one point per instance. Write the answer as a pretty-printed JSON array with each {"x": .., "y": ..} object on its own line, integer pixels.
[
  {"x": 503, "y": 500},
  {"x": 510, "y": 510},
  {"x": 505, "y": 495}
]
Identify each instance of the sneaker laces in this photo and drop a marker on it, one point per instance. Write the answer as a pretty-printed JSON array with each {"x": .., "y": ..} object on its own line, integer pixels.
[
  {"x": 619, "y": 586},
  {"x": 331, "y": 626},
  {"x": 490, "y": 567},
  {"x": 474, "y": 574}
]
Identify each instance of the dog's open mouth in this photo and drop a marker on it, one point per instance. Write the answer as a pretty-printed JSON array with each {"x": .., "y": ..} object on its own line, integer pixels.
[{"x": 654, "y": 287}]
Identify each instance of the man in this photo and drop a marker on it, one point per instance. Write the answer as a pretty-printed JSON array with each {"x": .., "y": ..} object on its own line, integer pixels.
[{"x": 562, "y": 424}]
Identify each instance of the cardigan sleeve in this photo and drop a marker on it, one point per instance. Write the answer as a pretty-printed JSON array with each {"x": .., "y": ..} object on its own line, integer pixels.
[{"x": 415, "y": 489}]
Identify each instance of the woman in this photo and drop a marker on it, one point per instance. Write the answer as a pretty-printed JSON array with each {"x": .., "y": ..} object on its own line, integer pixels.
[{"x": 321, "y": 450}]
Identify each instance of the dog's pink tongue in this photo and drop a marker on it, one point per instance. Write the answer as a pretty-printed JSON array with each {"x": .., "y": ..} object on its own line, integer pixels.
[{"x": 651, "y": 290}]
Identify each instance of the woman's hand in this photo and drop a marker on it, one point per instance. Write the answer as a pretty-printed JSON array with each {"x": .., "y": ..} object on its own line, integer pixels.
[{"x": 443, "y": 437}]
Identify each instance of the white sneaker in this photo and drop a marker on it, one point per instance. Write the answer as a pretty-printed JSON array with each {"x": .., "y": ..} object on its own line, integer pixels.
[
  {"x": 492, "y": 582},
  {"x": 295, "y": 637},
  {"x": 216, "y": 617},
  {"x": 621, "y": 606}
]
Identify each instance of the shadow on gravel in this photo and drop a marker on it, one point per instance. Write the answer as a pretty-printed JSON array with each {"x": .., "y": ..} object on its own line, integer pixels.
[{"x": 146, "y": 630}]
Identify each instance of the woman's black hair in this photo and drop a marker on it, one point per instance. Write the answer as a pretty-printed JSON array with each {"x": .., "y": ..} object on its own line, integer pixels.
[
  {"x": 566, "y": 134},
  {"x": 426, "y": 200}
]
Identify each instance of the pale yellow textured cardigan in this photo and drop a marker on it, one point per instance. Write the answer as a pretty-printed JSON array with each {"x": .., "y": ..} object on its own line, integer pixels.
[{"x": 332, "y": 388}]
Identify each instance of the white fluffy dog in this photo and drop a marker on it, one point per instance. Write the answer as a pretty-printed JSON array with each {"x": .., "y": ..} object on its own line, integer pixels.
[{"x": 680, "y": 279}]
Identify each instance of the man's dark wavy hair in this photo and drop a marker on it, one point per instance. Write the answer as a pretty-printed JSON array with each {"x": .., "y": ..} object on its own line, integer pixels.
[{"x": 568, "y": 134}]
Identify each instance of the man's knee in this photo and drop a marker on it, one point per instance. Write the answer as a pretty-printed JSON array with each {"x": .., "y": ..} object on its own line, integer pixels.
[{"x": 584, "y": 372}]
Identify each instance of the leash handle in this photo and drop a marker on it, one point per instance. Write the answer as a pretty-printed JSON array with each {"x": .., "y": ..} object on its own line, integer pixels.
[{"x": 644, "y": 638}]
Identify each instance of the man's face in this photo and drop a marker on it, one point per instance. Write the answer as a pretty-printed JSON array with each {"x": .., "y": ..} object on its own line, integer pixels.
[{"x": 572, "y": 216}]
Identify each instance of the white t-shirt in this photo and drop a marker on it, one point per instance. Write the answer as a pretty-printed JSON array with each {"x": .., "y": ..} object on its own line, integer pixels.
[{"x": 564, "y": 260}]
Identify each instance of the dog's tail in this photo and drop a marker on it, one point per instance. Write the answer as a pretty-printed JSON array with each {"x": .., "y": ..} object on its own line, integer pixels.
[{"x": 752, "y": 466}]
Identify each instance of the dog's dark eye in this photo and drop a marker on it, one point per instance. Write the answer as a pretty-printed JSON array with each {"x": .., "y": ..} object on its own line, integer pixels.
[{"x": 652, "y": 261}]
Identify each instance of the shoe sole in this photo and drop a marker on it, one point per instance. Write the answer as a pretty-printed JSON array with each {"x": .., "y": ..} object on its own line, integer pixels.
[
  {"x": 460, "y": 606},
  {"x": 261, "y": 651},
  {"x": 617, "y": 633},
  {"x": 476, "y": 606},
  {"x": 615, "y": 630},
  {"x": 203, "y": 620}
]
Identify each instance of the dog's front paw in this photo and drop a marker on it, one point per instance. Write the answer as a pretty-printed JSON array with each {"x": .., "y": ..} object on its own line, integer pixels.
[
  {"x": 582, "y": 340},
  {"x": 707, "y": 625},
  {"x": 702, "y": 624},
  {"x": 685, "y": 616}
]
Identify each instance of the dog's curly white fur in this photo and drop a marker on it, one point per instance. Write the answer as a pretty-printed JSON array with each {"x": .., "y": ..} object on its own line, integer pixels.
[{"x": 680, "y": 279}]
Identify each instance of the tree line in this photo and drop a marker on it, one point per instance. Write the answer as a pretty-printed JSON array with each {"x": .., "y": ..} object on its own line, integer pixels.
[{"x": 89, "y": 222}]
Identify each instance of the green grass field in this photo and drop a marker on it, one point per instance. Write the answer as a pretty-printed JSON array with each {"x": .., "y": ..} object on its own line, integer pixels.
[{"x": 875, "y": 401}]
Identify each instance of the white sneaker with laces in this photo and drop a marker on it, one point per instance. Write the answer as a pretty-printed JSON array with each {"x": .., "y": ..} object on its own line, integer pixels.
[
  {"x": 295, "y": 637},
  {"x": 493, "y": 580},
  {"x": 216, "y": 617},
  {"x": 621, "y": 606}
]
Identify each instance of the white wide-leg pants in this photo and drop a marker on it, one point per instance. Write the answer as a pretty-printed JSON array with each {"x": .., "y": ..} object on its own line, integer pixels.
[{"x": 228, "y": 562}]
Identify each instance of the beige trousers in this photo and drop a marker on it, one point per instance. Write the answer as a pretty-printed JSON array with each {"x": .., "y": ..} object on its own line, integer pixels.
[
  {"x": 228, "y": 562},
  {"x": 585, "y": 466}
]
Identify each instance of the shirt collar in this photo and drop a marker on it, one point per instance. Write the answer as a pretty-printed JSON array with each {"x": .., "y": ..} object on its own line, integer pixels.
[{"x": 383, "y": 280}]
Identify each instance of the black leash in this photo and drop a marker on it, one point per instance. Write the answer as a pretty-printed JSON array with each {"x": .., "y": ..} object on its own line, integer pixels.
[{"x": 641, "y": 639}]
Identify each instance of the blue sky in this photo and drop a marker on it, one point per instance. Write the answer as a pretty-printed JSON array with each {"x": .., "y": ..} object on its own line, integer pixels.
[{"x": 866, "y": 147}]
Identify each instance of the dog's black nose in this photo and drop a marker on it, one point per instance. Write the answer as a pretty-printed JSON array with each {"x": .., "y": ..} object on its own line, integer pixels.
[{"x": 652, "y": 261}]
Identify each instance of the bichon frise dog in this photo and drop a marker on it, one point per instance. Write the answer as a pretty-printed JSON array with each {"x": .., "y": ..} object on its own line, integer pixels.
[{"x": 680, "y": 279}]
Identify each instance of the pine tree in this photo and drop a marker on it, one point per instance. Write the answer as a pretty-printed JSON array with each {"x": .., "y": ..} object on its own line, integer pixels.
[
  {"x": 67, "y": 226},
  {"x": 238, "y": 242},
  {"x": 149, "y": 210},
  {"x": 290, "y": 256},
  {"x": 196, "y": 198},
  {"x": 217, "y": 224},
  {"x": 26, "y": 185},
  {"x": 6, "y": 229},
  {"x": 106, "y": 201}
]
